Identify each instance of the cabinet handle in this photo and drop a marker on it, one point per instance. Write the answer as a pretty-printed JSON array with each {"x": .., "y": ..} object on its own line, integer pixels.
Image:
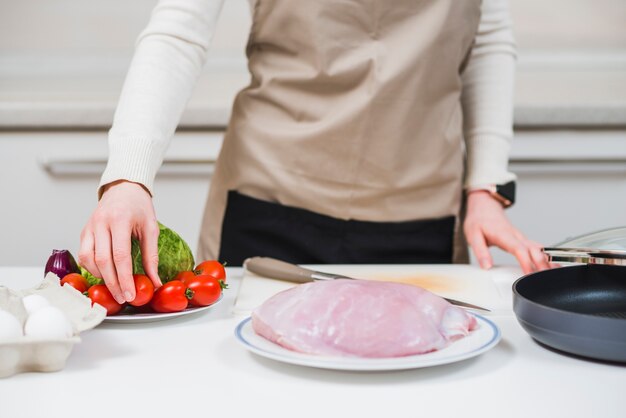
[
  {"x": 171, "y": 166},
  {"x": 206, "y": 166},
  {"x": 569, "y": 166}
]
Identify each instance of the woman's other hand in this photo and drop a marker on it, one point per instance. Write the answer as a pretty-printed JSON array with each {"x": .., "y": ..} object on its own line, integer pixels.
[
  {"x": 124, "y": 211},
  {"x": 486, "y": 224}
]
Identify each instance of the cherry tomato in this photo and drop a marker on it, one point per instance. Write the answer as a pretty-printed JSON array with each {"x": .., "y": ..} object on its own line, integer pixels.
[
  {"x": 171, "y": 297},
  {"x": 99, "y": 294},
  {"x": 212, "y": 268},
  {"x": 144, "y": 289},
  {"x": 77, "y": 281},
  {"x": 206, "y": 289},
  {"x": 183, "y": 276}
]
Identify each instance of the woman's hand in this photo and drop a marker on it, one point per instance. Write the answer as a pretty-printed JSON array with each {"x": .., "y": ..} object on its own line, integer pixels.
[
  {"x": 486, "y": 224},
  {"x": 124, "y": 211}
]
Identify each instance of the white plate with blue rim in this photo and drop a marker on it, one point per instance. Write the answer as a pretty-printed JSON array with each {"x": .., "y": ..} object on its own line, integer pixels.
[{"x": 479, "y": 341}]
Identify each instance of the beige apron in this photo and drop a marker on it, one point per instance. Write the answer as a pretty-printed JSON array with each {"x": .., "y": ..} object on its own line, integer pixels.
[{"x": 353, "y": 111}]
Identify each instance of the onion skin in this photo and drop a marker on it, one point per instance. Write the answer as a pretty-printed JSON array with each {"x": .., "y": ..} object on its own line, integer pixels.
[{"x": 61, "y": 263}]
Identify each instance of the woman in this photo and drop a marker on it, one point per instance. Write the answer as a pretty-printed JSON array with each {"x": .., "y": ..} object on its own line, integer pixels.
[{"x": 346, "y": 147}]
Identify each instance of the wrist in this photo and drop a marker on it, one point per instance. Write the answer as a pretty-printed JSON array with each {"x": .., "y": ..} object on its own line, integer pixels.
[
  {"x": 477, "y": 196},
  {"x": 502, "y": 193},
  {"x": 123, "y": 184}
]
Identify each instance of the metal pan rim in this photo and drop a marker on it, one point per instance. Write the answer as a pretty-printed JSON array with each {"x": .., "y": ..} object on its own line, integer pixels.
[{"x": 585, "y": 255}]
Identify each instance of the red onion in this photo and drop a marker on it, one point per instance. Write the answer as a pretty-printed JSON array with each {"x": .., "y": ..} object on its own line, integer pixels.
[{"x": 61, "y": 263}]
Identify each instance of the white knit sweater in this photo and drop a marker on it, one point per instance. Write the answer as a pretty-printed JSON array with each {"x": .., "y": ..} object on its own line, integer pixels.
[{"x": 171, "y": 52}]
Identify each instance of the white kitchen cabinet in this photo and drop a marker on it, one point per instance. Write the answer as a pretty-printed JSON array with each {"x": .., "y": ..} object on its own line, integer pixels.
[
  {"x": 48, "y": 183},
  {"x": 569, "y": 183}
]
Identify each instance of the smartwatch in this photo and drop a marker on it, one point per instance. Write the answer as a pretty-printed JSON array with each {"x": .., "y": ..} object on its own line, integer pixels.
[{"x": 503, "y": 193}]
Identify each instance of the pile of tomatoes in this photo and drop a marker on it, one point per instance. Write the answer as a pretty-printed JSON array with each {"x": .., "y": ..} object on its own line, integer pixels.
[{"x": 201, "y": 287}]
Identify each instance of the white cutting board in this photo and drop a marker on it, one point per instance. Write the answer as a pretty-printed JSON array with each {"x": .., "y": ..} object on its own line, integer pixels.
[{"x": 457, "y": 281}]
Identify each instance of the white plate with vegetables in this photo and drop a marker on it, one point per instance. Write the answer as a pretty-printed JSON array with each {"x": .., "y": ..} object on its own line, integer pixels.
[
  {"x": 130, "y": 317},
  {"x": 484, "y": 338},
  {"x": 187, "y": 291}
]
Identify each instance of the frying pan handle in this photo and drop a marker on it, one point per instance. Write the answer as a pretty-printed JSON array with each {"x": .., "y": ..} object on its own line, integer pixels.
[{"x": 276, "y": 269}]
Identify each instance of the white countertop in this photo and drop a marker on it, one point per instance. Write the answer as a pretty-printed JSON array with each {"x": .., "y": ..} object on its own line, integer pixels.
[{"x": 193, "y": 366}]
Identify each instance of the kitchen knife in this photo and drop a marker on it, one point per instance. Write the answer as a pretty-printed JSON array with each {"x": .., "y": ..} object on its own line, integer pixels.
[{"x": 281, "y": 270}]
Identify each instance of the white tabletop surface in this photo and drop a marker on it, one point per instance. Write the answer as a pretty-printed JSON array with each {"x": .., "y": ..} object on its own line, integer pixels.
[{"x": 193, "y": 366}]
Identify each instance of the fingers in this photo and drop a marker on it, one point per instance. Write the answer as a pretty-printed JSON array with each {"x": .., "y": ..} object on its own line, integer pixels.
[
  {"x": 150, "y": 252},
  {"x": 120, "y": 233},
  {"x": 522, "y": 254},
  {"x": 106, "y": 240},
  {"x": 480, "y": 249},
  {"x": 107, "y": 254},
  {"x": 86, "y": 253},
  {"x": 539, "y": 258},
  {"x": 486, "y": 224},
  {"x": 528, "y": 254},
  {"x": 104, "y": 262}
]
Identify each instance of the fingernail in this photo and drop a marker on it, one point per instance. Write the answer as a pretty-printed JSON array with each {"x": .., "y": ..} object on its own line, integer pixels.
[
  {"x": 119, "y": 300},
  {"x": 485, "y": 264},
  {"x": 128, "y": 296}
]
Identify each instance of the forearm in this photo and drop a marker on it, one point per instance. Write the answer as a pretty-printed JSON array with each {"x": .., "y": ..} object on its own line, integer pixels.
[
  {"x": 488, "y": 83},
  {"x": 169, "y": 57}
]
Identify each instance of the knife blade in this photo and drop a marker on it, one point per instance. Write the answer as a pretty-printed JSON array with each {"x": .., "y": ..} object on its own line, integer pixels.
[{"x": 281, "y": 270}]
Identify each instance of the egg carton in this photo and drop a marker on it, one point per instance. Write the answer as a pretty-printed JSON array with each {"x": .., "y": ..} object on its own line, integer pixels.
[{"x": 29, "y": 354}]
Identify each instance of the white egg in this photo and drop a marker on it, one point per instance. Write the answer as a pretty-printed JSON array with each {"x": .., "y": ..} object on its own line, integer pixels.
[
  {"x": 34, "y": 302},
  {"x": 48, "y": 322},
  {"x": 10, "y": 327}
]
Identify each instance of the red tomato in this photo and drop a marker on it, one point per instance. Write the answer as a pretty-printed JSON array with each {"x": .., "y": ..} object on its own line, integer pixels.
[
  {"x": 171, "y": 297},
  {"x": 206, "y": 289},
  {"x": 99, "y": 294},
  {"x": 77, "y": 281},
  {"x": 144, "y": 289},
  {"x": 183, "y": 276},
  {"x": 212, "y": 268}
]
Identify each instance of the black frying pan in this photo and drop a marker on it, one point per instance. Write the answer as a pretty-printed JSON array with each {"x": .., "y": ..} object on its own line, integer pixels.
[{"x": 579, "y": 309}]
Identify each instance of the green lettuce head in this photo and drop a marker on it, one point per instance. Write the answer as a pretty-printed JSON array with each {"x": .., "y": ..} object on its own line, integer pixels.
[
  {"x": 91, "y": 279},
  {"x": 174, "y": 255}
]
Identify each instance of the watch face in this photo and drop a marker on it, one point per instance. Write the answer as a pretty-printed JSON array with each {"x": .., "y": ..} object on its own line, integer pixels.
[{"x": 507, "y": 191}]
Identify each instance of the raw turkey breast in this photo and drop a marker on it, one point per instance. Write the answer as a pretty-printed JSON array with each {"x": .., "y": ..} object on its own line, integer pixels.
[{"x": 360, "y": 318}]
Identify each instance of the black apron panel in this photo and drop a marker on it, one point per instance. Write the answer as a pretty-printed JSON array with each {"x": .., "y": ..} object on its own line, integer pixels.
[{"x": 253, "y": 227}]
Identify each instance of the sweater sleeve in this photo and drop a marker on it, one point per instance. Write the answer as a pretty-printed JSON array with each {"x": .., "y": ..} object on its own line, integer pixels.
[
  {"x": 487, "y": 98},
  {"x": 168, "y": 59}
]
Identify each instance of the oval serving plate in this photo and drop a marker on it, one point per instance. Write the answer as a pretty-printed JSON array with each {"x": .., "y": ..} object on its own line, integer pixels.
[{"x": 477, "y": 342}]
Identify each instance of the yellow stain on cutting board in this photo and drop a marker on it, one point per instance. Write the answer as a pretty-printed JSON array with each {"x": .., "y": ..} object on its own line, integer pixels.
[{"x": 435, "y": 283}]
